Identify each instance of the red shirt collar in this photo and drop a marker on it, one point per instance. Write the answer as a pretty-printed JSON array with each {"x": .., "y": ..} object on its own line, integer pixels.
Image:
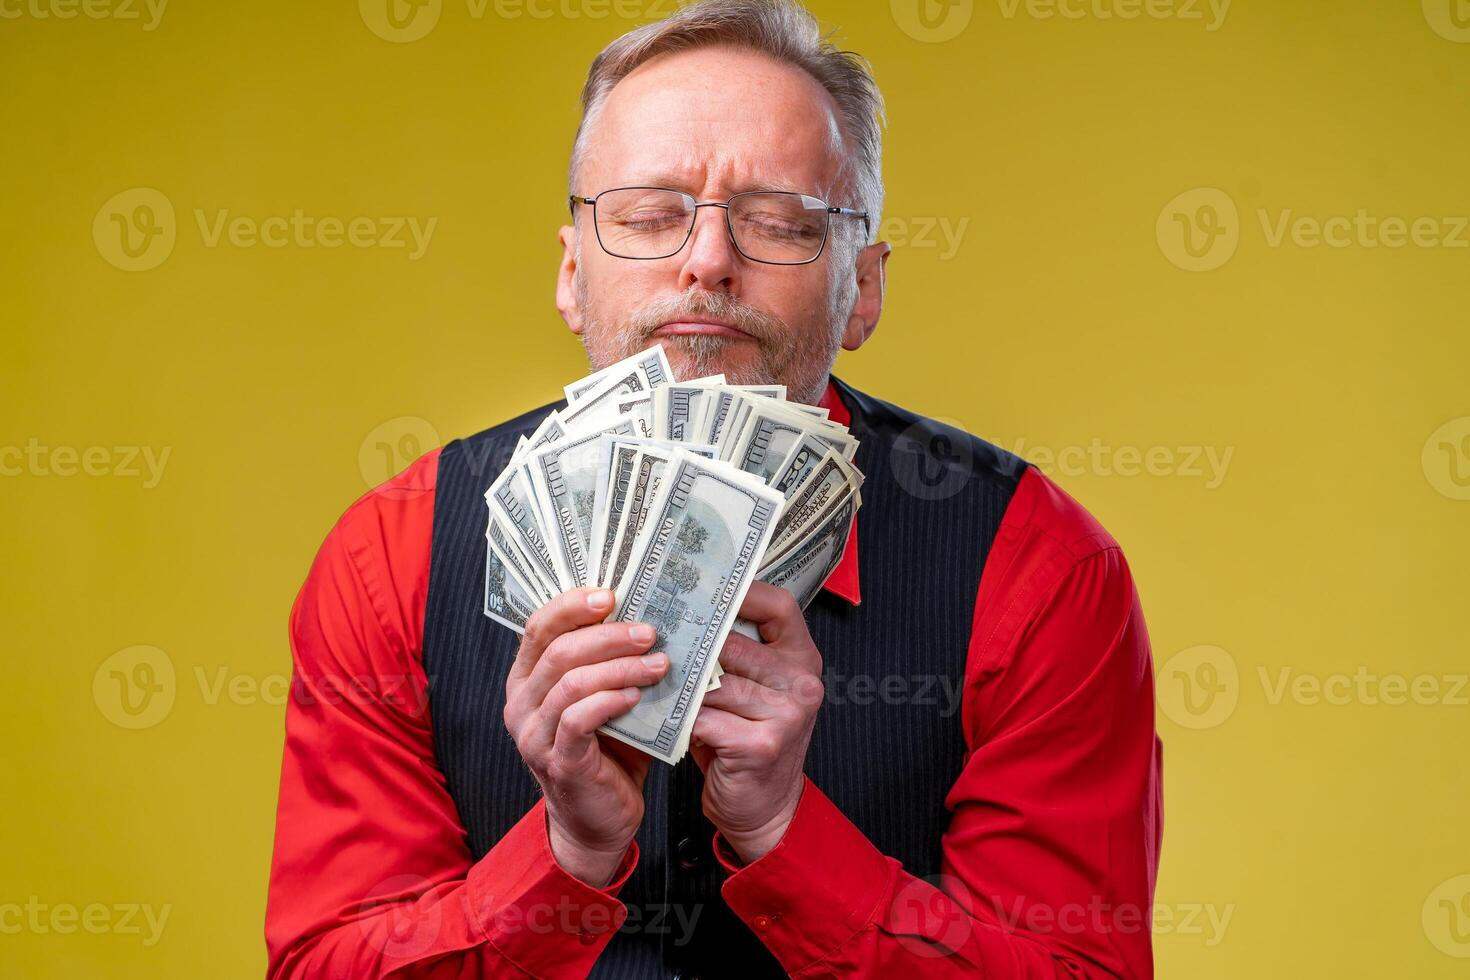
[{"x": 844, "y": 578}]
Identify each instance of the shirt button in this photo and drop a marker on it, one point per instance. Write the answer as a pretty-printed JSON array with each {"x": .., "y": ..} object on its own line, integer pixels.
[
  {"x": 762, "y": 922},
  {"x": 586, "y": 938},
  {"x": 688, "y": 853}
]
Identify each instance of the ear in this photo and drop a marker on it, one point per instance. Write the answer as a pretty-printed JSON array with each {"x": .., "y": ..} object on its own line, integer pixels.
[
  {"x": 566, "y": 288},
  {"x": 863, "y": 320}
]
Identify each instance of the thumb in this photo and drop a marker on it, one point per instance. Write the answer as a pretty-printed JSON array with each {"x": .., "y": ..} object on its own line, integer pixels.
[{"x": 703, "y": 755}]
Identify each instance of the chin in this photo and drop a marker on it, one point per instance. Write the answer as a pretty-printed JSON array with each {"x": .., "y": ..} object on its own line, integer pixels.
[{"x": 694, "y": 356}]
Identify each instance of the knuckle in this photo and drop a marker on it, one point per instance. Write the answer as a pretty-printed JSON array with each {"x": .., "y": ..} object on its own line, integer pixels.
[
  {"x": 562, "y": 656},
  {"x": 766, "y": 746},
  {"x": 534, "y": 636},
  {"x": 529, "y": 753},
  {"x": 569, "y": 690}
]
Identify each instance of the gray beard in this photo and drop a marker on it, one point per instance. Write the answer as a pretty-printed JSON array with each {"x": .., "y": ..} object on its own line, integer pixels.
[{"x": 798, "y": 359}]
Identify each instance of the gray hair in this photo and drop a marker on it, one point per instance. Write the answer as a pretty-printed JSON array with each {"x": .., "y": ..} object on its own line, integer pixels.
[{"x": 787, "y": 32}]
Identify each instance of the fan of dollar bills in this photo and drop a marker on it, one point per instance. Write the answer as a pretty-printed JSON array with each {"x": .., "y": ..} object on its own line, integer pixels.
[{"x": 676, "y": 495}]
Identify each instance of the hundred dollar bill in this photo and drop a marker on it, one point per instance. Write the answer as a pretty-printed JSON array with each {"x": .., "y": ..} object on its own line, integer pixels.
[
  {"x": 767, "y": 444},
  {"x": 599, "y": 405},
  {"x": 506, "y": 601},
  {"x": 747, "y": 411},
  {"x": 693, "y": 564},
  {"x": 616, "y": 455},
  {"x": 653, "y": 364},
  {"x": 725, "y": 398},
  {"x": 824, "y": 489},
  {"x": 771, "y": 429},
  {"x": 638, "y": 409},
  {"x": 628, "y": 514},
  {"x": 500, "y": 541},
  {"x": 512, "y": 502},
  {"x": 550, "y": 430},
  {"x": 802, "y": 459},
  {"x": 677, "y": 409},
  {"x": 805, "y": 568},
  {"x": 564, "y": 475}
]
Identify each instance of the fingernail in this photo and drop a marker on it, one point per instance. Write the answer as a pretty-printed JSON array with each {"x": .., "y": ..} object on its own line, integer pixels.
[
  {"x": 641, "y": 633},
  {"x": 601, "y": 599},
  {"x": 653, "y": 660},
  {"x": 632, "y": 693}
]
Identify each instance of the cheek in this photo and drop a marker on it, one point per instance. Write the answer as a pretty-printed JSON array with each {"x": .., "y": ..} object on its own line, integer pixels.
[{"x": 797, "y": 295}]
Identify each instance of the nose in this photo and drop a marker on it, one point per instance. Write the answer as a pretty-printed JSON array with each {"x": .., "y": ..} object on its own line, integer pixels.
[{"x": 710, "y": 257}]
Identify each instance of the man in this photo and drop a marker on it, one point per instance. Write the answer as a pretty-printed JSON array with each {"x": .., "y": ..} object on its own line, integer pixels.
[{"x": 946, "y": 767}]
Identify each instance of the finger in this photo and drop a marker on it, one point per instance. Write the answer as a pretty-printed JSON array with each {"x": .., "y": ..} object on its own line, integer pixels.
[
  {"x": 744, "y": 698},
  {"x": 573, "y": 608},
  {"x": 775, "y": 613},
  {"x": 575, "y": 738},
  {"x": 725, "y": 732},
  {"x": 581, "y": 683},
  {"x": 581, "y": 646},
  {"x": 760, "y": 662}
]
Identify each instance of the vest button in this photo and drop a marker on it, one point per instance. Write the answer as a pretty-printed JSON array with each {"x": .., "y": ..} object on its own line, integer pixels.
[
  {"x": 688, "y": 853},
  {"x": 761, "y": 922}
]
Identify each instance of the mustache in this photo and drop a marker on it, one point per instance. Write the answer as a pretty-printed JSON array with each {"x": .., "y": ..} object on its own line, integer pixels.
[{"x": 762, "y": 326}]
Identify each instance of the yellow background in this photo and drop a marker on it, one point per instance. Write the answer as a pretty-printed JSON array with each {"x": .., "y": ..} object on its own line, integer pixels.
[{"x": 1332, "y": 835}]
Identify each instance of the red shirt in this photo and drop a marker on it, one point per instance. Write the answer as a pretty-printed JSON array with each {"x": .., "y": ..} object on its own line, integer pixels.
[{"x": 1049, "y": 858}]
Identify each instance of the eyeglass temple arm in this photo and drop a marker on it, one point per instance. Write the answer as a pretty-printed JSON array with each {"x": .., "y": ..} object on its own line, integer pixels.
[{"x": 852, "y": 211}]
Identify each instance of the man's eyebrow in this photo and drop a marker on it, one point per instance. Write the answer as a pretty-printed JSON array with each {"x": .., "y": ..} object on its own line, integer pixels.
[{"x": 677, "y": 182}]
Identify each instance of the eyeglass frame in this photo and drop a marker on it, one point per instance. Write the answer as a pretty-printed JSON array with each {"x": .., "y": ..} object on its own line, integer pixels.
[{"x": 574, "y": 199}]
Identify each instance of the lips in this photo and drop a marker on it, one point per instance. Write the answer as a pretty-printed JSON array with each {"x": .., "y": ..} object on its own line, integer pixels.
[{"x": 689, "y": 328}]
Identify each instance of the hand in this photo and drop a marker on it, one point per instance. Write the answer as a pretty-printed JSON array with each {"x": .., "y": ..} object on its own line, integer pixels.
[
  {"x": 751, "y": 735},
  {"x": 572, "y": 674}
]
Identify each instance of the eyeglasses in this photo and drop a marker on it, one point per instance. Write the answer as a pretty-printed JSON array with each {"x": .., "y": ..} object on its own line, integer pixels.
[{"x": 775, "y": 227}]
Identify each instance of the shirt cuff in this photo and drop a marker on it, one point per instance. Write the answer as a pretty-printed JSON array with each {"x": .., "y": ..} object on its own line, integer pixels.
[
  {"x": 536, "y": 913},
  {"x": 815, "y": 890}
]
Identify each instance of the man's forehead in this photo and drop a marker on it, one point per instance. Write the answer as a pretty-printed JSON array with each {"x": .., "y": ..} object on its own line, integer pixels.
[{"x": 718, "y": 117}]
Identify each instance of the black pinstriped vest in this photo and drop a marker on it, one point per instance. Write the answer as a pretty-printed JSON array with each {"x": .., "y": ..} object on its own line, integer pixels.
[{"x": 887, "y": 745}]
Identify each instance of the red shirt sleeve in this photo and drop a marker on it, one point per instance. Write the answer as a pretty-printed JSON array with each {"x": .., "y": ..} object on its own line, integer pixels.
[
  {"x": 371, "y": 876},
  {"x": 1052, "y": 850}
]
